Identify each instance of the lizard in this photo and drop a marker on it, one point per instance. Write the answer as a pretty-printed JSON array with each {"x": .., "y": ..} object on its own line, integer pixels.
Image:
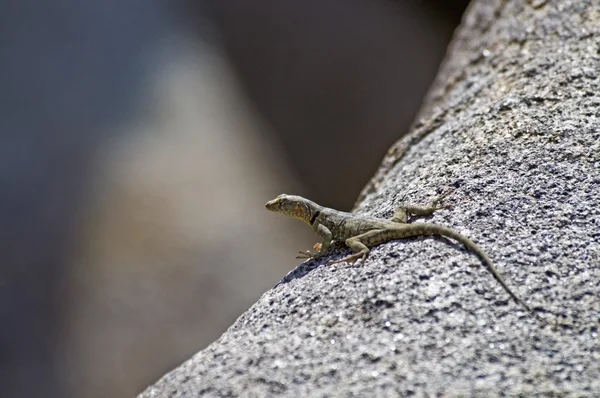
[{"x": 359, "y": 233}]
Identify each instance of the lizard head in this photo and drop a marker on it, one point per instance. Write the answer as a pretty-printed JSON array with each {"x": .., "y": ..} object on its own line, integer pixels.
[{"x": 293, "y": 206}]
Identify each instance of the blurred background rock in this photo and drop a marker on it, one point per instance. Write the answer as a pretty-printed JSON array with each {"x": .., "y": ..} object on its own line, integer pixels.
[{"x": 139, "y": 141}]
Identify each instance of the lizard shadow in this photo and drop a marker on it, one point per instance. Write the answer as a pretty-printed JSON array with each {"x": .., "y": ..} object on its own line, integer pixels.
[{"x": 313, "y": 263}]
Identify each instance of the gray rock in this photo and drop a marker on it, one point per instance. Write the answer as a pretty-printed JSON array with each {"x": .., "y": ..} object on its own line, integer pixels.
[{"x": 517, "y": 137}]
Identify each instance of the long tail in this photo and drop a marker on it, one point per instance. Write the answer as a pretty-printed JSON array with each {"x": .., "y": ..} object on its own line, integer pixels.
[{"x": 419, "y": 229}]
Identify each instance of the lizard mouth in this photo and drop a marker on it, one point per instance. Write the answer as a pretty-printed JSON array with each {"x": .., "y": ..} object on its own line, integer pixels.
[{"x": 271, "y": 205}]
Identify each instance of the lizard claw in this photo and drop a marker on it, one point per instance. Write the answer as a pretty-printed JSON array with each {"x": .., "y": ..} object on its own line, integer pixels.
[
  {"x": 435, "y": 202},
  {"x": 306, "y": 254}
]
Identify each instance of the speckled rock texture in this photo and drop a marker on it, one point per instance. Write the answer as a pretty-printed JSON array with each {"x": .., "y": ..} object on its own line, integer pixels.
[{"x": 516, "y": 135}]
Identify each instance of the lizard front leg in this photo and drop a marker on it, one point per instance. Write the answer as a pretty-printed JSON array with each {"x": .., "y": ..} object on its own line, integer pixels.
[{"x": 327, "y": 236}]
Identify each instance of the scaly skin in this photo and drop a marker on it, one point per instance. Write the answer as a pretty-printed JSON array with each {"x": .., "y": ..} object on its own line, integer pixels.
[{"x": 360, "y": 233}]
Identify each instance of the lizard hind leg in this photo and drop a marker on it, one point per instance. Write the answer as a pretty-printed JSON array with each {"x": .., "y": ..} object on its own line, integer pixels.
[
  {"x": 403, "y": 213},
  {"x": 359, "y": 247}
]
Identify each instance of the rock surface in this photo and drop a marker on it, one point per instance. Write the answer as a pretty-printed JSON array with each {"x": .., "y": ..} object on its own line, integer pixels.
[{"x": 517, "y": 138}]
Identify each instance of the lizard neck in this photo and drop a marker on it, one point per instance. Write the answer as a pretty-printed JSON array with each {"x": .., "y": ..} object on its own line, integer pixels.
[{"x": 309, "y": 211}]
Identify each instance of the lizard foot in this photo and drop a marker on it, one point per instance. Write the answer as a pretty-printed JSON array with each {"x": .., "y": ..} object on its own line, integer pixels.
[
  {"x": 435, "y": 203},
  {"x": 350, "y": 259},
  {"x": 308, "y": 254}
]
